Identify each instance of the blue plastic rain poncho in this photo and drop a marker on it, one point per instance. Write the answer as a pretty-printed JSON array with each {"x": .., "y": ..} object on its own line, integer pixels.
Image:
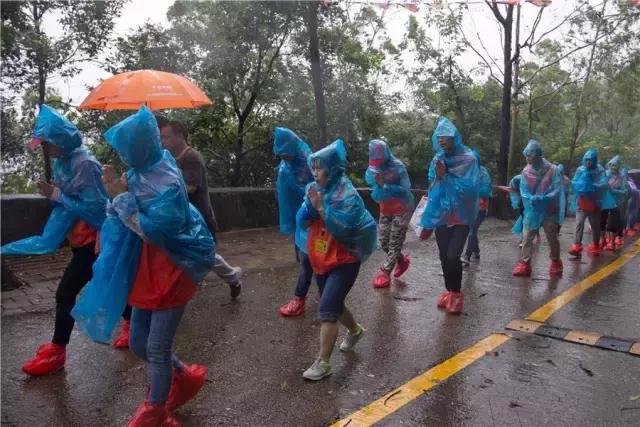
[
  {"x": 345, "y": 216},
  {"x": 455, "y": 196},
  {"x": 397, "y": 184},
  {"x": 516, "y": 202},
  {"x": 633, "y": 213},
  {"x": 541, "y": 189},
  {"x": 155, "y": 208},
  {"x": 293, "y": 176},
  {"x": 78, "y": 176},
  {"x": 486, "y": 191},
  {"x": 618, "y": 184},
  {"x": 592, "y": 183}
]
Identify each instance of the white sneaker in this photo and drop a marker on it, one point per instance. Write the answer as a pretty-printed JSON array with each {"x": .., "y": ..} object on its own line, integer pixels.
[
  {"x": 352, "y": 339},
  {"x": 317, "y": 371}
]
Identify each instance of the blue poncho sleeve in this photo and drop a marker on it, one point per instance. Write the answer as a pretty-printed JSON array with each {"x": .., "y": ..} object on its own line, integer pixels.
[
  {"x": 55, "y": 231},
  {"x": 486, "y": 191},
  {"x": 290, "y": 194}
]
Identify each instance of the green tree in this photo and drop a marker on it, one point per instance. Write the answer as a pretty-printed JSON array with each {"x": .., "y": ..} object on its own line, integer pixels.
[{"x": 30, "y": 56}]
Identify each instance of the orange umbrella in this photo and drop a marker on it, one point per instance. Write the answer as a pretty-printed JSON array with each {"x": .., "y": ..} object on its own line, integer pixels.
[{"x": 155, "y": 89}]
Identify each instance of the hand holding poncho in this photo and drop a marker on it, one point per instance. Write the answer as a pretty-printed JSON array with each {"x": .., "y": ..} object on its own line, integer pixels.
[
  {"x": 155, "y": 208},
  {"x": 397, "y": 184},
  {"x": 293, "y": 176},
  {"x": 592, "y": 183},
  {"x": 77, "y": 174},
  {"x": 541, "y": 189},
  {"x": 345, "y": 215},
  {"x": 457, "y": 192}
]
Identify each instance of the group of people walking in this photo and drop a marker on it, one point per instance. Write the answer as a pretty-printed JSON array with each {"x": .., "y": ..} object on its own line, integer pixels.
[{"x": 143, "y": 240}]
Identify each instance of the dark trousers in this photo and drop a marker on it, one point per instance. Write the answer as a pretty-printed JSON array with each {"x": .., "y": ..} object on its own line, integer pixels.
[
  {"x": 77, "y": 274},
  {"x": 451, "y": 242},
  {"x": 473, "y": 245},
  {"x": 75, "y": 277},
  {"x": 305, "y": 273}
]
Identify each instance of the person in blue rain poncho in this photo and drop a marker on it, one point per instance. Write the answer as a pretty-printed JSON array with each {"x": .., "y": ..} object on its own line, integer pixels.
[
  {"x": 341, "y": 235},
  {"x": 391, "y": 189},
  {"x": 612, "y": 221},
  {"x": 293, "y": 176},
  {"x": 78, "y": 198},
  {"x": 486, "y": 192},
  {"x": 155, "y": 248},
  {"x": 454, "y": 177},
  {"x": 633, "y": 213},
  {"x": 591, "y": 196},
  {"x": 544, "y": 200}
]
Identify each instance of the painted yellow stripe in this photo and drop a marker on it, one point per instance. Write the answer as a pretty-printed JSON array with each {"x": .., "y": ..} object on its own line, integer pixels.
[
  {"x": 544, "y": 312},
  {"x": 414, "y": 388},
  {"x": 411, "y": 390}
]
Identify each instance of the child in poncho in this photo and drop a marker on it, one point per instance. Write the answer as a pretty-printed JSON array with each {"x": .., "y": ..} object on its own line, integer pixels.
[
  {"x": 341, "y": 235},
  {"x": 293, "y": 176},
  {"x": 391, "y": 189},
  {"x": 542, "y": 192}
]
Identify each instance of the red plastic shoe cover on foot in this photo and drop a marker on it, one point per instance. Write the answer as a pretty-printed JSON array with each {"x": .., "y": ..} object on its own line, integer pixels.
[
  {"x": 152, "y": 415},
  {"x": 186, "y": 383},
  {"x": 49, "y": 358}
]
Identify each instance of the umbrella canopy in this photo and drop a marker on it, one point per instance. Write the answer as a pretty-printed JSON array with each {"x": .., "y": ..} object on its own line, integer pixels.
[{"x": 156, "y": 89}]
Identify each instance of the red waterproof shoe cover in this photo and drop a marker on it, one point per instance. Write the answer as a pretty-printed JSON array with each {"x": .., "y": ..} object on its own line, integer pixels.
[
  {"x": 152, "y": 415},
  {"x": 455, "y": 304},
  {"x": 575, "y": 249},
  {"x": 295, "y": 307},
  {"x": 631, "y": 233},
  {"x": 185, "y": 385},
  {"x": 522, "y": 269},
  {"x": 610, "y": 246},
  {"x": 49, "y": 358},
  {"x": 382, "y": 279},
  {"x": 402, "y": 266},
  {"x": 603, "y": 242},
  {"x": 555, "y": 269},
  {"x": 619, "y": 242},
  {"x": 122, "y": 341},
  {"x": 443, "y": 300},
  {"x": 593, "y": 249}
]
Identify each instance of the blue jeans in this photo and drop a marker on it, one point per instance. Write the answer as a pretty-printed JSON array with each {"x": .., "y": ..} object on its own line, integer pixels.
[
  {"x": 151, "y": 339},
  {"x": 305, "y": 274},
  {"x": 334, "y": 287},
  {"x": 473, "y": 245}
]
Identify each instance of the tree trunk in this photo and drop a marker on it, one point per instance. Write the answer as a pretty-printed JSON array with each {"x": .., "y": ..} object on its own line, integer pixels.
[
  {"x": 505, "y": 122},
  {"x": 42, "y": 85},
  {"x": 511, "y": 164},
  {"x": 530, "y": 118},
  {"x": 575, "y": 132},
  {"x": 316, "y": 73},
  {"x": 237, "y": 167}
]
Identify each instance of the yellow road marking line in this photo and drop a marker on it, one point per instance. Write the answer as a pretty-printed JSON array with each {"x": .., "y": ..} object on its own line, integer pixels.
[
  {"x": 414, "y": 388},
  {"x": 544, "y": 312}
]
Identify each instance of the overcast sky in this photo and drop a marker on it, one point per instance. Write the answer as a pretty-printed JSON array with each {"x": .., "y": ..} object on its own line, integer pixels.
[{"x": 478, "y": 20}]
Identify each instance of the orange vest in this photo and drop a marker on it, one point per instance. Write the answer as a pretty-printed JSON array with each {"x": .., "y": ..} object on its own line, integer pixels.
[
  {"x": 81, "y": 234},
  {"x": 325, "y": 252},
  {"x": 159, "y": 284}
]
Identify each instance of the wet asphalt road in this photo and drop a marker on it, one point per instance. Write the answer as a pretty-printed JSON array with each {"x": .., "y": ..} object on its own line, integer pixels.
[{"x": 256, "y": 358}]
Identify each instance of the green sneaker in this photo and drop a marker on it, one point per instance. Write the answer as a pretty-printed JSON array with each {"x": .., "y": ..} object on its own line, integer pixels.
[
  {"x": 318, "y": 370},
  {"x": 352, "y": 339}
]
